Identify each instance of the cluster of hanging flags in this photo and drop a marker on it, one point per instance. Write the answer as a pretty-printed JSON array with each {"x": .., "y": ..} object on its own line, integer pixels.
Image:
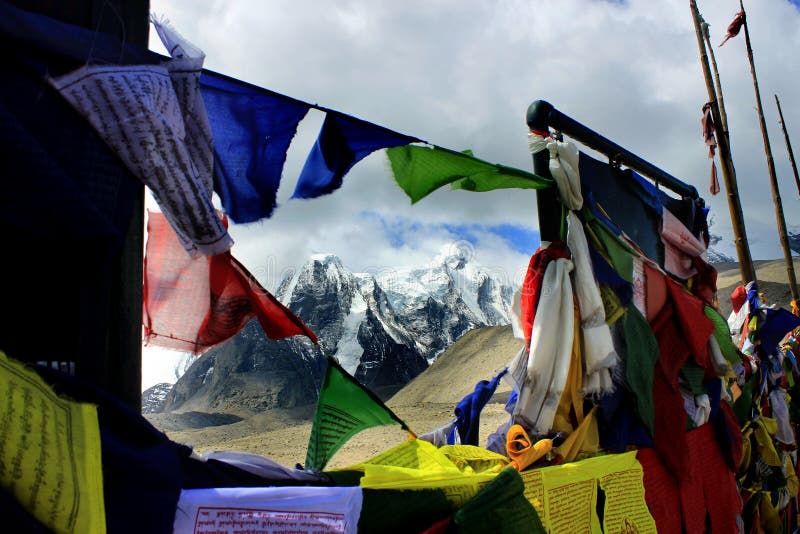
[
  {"x": 624, "y": 351},
  {"x": 187, "y": 133},
  {"x": 653, "y": 367}
]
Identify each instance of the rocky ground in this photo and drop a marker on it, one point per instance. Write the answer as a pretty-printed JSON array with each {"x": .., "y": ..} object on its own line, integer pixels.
[
  {"x": 772, "y": 281},
  {"x": 425, "y": 403}
]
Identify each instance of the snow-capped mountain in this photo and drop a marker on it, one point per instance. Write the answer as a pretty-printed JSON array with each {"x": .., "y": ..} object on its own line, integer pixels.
[
  {"x": 384, "y": 330},
  {"x": 403, "y": 318},
  {"x": 794, "y": 242},
  {"x": 714, "y": 253},
  {"x": 154, "y": 398}
]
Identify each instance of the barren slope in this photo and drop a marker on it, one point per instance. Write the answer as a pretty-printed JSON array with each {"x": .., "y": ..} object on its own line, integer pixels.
[{"x": 425, "y": 403}]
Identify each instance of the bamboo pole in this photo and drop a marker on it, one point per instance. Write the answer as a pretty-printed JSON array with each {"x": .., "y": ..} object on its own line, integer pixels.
[
  {"x": 718, "y": 86},
  {"x": 748, "y": 272},
  {"x": 773, "y": 179},
  {"x": 788, "y": 144}
]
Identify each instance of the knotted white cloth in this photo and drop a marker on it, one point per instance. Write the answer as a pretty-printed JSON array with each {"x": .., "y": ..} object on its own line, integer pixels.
[
  {"x": 550, "y": 351},
  {"x": 599, "y": 354}
]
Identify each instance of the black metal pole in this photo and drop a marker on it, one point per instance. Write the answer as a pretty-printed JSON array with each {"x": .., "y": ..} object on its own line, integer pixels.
[
  {"x": 542, "y": 114},
  {"x": 540, "y": 117},
  {"x": 547, "y": 203}
]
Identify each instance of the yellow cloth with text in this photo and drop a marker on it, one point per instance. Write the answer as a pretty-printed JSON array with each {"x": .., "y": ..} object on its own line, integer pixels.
[
  {"x": 565, "y": 496},
  {"x": 50, "y": 452}
]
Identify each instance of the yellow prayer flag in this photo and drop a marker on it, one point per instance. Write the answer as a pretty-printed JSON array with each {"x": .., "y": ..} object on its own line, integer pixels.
[
  {"x": 565, "y": 496},
  {"x": 418, "y": 464},
  {"x": 50, "y": 452}
]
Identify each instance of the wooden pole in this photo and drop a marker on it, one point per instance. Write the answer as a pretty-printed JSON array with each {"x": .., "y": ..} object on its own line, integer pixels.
[
  {"x": 746, "y": 269},
  {"x": 718, "y": 86},
  {"x": 788, "y": 144},
  {"x": 773, "y": 179}
]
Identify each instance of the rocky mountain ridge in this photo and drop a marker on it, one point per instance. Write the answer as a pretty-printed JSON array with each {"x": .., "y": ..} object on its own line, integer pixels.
[{"x": 385, "y": 330}]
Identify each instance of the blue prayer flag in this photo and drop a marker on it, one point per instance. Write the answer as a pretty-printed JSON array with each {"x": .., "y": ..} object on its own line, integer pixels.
[
  {"x": 252, "y": 130},
  {"x": 776, "y": 324},
  {"x": 343, "y": 141},
  {"x": 468, "y": 411}
]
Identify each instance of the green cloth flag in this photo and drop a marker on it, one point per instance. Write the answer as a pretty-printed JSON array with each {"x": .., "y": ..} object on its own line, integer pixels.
[
  {"x": 641, "y": 356},
  {"x": 344, "y": 409},
  {"x": 722, "y": 334},
  {"x": 420, "y": 170},
  {"x": 501, "y": 506},
  {"x": 619, "y": 254}
]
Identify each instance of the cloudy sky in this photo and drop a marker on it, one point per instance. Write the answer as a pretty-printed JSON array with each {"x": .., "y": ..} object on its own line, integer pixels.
[{"x": 461, "y": 74}]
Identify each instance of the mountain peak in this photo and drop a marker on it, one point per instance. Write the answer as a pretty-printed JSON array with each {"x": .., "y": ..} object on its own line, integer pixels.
[
  {"x": 455, "y": 256},
  {"x": 325, "y": 259}
]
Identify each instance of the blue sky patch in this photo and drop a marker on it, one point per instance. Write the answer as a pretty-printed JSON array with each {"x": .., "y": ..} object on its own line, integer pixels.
[
  {"x": 519, "y": 238},
  {"x": 463, "y": 232},
  {"x": 399, "y": 231}
]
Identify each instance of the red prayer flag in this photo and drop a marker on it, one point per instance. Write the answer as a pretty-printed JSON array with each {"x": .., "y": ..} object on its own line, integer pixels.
[
  {"x": 734, "y": 27},
  {"x": 711, "y": 141},
  {"x": 193, "y": 304},
  {"x": 713, "y": 188},
  {"x": 531, "y": 287},
  {"x": 236, "y": 296}
]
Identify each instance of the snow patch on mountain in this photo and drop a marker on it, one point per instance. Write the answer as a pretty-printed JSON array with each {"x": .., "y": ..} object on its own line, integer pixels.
[{"x": 348, "y": 351}]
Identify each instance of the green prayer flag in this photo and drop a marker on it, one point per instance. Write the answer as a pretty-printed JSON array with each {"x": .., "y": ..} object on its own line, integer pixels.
[
  {"x": 344, "y": 409},
  {"x": 421, "y": 170},
  {"x": 693, "y": 374},
  {"x": 617, "y": 251},
  {"x": 500, "y": 506},
  {"x": 744, "y": 404},
  {"x": 722, "y": 334},
  {"x": 640, "y": 362}
]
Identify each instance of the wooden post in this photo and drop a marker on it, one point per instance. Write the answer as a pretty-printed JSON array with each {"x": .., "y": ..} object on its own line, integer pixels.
[
  {"x": 746, "y": 268},
  {"x": 718, "y": 86},
  {"x": 788, "y": 144},
  {"x": 773, "y": 179}
]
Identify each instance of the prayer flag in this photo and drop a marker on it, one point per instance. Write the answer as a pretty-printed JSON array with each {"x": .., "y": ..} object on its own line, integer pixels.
[
  {"x": 468, "y": 411},
  {"x": 236, "y": 296},
  {"x": 711, "y": 142},
  {"x": 640, "y": 364},
  {"x": 501, "y": 506},
  {"x": 421, "y": 170},
  {"x": 252, "y": 130},
  {"x": 532, "y": 285},
  {"x": 137, "y": 112},
  {"x": 734, "y": 27},
  {"x": 343, "y": 141},
  {"x": 344, "y": 409},
  {"x": 773, "y": 326},
  {"x": 192, "y": 304},
  {"x": 50, "y": 458}
]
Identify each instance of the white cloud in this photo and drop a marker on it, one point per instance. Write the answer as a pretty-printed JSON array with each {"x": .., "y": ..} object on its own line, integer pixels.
[{"x": 461, "y": 74}]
